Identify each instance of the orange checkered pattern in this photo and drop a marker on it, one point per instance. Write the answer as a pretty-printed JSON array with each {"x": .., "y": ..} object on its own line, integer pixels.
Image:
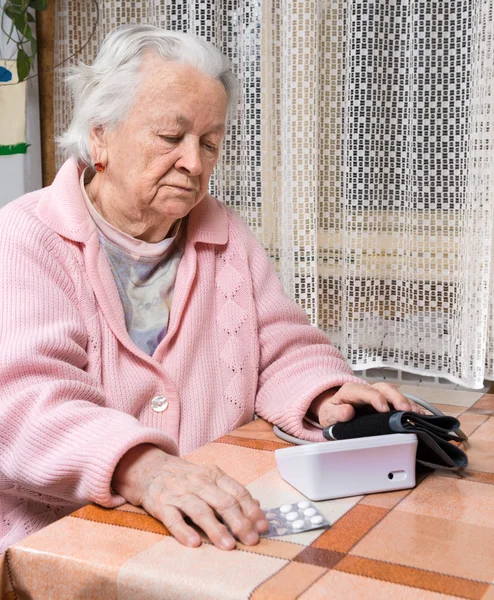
[{"x": 435, "y": 541}]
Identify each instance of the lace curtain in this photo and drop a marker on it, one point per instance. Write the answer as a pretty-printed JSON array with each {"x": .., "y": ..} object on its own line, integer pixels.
[{"x": 362, "y": 155}]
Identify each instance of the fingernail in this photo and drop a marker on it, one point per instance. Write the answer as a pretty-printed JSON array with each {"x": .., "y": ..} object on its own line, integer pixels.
[
  {"x": 192, "y": 542},
  {"x": 251, "y": 539},
  {"x": 261, "y": 525},
  {"x": 384, "y": 406},
  {"x": 228, "y": 543}
]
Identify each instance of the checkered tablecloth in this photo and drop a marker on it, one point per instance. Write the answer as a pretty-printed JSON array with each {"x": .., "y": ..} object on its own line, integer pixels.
[{"x": 435, "y": 541}]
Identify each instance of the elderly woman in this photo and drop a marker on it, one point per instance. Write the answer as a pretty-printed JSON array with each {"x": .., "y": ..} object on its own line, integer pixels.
[{"x": 140, "y": 318}]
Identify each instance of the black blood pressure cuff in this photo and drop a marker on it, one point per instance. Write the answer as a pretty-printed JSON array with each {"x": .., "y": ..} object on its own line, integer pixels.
[{"x": 434, "y": 434}]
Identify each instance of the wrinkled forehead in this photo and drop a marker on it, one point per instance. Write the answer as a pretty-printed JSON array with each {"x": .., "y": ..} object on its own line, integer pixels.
[
  {"x": 174, "y": 93},
  {"x": 157, "y": 73}
]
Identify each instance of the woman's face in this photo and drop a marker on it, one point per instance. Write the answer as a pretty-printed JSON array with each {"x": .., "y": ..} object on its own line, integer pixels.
[{"x": 160, "y": 157}]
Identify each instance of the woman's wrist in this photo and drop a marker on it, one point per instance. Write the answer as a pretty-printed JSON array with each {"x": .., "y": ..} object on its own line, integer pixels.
[
  {"x": 133, "y": 469},
  {"x": 313, "y": 412}
]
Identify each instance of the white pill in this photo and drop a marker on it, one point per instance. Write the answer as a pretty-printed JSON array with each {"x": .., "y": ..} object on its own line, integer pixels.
[
  {"x": 270, "y": 515},
  {"x": 282, "y": 531},
  {"x": 285, "y": 508},
  {"x": 291, "y": 516},
  {"x": 298, "y": 524},
  {"x": 303, "y": 504},
  {"x": 317, "y": 520},
  {"x": 310, "y": 512}
]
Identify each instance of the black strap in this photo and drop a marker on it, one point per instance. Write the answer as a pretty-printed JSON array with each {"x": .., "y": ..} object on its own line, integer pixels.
[
  {"x": 434, "y": 434},
  {"x": 407, "y": 421}
]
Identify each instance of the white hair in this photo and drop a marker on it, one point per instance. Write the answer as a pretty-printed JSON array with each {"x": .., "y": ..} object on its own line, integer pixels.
[{"x": 105, "y": 91}]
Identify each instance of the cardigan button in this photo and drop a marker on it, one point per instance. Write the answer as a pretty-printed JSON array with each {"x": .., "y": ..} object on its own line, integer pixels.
[{"x": 159, "y": 403}]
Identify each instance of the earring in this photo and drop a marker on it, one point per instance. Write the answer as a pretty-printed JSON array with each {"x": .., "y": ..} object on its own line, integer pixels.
[{"x": 100, "y": 167}]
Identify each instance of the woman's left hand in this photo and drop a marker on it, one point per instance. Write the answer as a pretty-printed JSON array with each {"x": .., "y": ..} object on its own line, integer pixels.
[{"x": 338, "y": 406}]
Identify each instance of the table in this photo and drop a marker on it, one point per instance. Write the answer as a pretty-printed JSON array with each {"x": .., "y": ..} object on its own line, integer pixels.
[{"x": 435, "y": 541}]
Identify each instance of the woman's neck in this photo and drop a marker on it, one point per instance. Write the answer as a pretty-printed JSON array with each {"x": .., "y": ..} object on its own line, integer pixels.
[{"x": 151, "y": 228}]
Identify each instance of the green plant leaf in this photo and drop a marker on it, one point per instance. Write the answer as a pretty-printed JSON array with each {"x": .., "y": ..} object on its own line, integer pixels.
[
  {"x": 11, "y": 14},
  {"x": 18, "y": 12},
  {"x": 17, "y": 7},
  {"x": 23, "y": 64},
  {"x": 20, "y": 23},
  {"x": 27, "y": 31},
  {"x": 38, "y": 4}
]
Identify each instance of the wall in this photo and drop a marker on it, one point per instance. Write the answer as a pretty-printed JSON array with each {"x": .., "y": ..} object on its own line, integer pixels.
[{"x": 21, "y": 173}]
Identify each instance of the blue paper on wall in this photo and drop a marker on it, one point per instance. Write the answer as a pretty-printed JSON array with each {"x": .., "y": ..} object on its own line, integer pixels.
[{"x": 5, "y": 75}]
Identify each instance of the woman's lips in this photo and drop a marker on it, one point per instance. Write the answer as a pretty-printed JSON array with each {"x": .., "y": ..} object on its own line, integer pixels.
[{"x": 181, "y": 188}]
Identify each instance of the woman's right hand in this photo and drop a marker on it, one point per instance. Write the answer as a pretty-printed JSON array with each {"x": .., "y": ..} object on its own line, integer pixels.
[{"x": 171, "y": 488}]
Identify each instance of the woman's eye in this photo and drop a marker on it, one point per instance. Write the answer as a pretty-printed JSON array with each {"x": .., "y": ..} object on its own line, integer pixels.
[
  {"x": 171, "y": 139},
  {"x": 210, "y": 147}
]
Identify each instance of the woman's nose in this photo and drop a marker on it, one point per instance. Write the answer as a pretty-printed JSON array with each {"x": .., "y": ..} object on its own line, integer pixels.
[{"x": 190, "y": 158}]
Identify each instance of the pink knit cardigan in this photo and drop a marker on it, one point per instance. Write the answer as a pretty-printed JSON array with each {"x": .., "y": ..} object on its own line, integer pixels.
[{"x": 75, "y": 392}]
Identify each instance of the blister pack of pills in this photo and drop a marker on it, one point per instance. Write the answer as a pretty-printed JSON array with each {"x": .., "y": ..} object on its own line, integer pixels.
[{"x": 293, "y": 518}]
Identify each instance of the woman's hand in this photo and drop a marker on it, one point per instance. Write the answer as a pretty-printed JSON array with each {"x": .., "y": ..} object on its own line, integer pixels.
[
  {"x": 170, "y": 489},
  {"x": 338, "y": 406}
]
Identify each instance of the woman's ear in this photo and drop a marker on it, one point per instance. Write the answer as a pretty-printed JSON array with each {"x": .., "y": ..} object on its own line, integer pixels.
[{"x": 98, "y": 145}]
